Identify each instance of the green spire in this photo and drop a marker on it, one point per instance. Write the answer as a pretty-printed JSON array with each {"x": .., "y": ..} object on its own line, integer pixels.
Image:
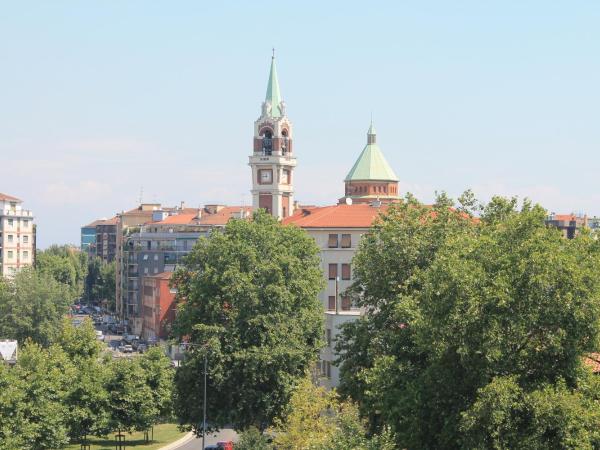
[
  {"x": 371, "y": 165},
  {"x": 273, "y": 96}
]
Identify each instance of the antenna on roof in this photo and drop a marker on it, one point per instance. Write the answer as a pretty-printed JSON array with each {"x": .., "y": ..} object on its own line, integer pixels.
[{"x": 141, "y": 195}]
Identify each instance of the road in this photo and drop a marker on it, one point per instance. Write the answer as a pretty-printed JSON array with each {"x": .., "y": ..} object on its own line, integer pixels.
[{"x": 226, "y": 434}]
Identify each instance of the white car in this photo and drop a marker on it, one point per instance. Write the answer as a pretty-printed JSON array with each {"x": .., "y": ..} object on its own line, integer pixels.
[{"x": 99, "y": 335}]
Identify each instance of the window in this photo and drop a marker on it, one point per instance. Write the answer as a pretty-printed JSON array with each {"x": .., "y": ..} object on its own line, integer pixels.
[
  {"x": 156, "y": 270},
  {"x": 149, "y": 244},
  {"x": 346, "y": 303},
  {"x": 25, "y": 239},
  {"x": 346, "y": 272},
  {"x": 333, "y": 271},
  {"x": 267, "y": 146},
  {"x": 331, "y": 303},
  {"x": 328, "y": 337},
  {"x": 25, "y": 223},
  {"x": 145, "y": 271},
  {"x": 286, "y": 176},
  {"x": 25, "y": 254},
  {"x": 145, "y": 258},
  {"x": 346, "y": 241},
  {"x": 10, "y": 222},
  {"x": 10, "y": 254},
  {"x": 333, "y": 241},
  {"x": 155, "y": 257},
  {"x": 10, "y": 238}
]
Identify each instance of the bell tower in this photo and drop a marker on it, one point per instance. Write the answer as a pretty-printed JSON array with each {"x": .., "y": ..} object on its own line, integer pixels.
[{"x": 272, "y": 162}]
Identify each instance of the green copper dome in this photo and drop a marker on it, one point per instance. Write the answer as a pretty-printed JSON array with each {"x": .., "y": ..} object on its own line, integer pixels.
[
  {"x": 371, "y": 164},
  {"x": 273, "y": 96}
]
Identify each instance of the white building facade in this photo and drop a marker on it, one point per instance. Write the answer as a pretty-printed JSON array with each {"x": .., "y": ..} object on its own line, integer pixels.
[{"x": 17, "y": 236}]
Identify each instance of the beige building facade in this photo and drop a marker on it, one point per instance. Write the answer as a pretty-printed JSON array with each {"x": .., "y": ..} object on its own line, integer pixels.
[{"x": 17, "y": 236}]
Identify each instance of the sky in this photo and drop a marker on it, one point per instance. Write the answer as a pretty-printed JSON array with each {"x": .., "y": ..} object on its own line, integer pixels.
[{"x": 104, "y": 102}]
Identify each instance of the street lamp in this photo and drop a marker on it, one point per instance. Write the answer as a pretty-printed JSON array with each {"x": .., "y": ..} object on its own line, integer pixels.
[{"x": 205, "y": 346}]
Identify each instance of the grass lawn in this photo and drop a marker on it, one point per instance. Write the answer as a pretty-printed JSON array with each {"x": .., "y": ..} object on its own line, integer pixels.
[{"x": 163, "y": 435}]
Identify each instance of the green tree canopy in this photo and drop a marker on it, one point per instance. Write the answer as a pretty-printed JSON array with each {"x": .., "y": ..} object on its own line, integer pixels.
[
  {"x": 250, "y": 292},
  {"x": 34, "y": 407},
  {"x": 100, "y": 282},
  {"x": 32, "y": 305},
  {"x": 65, "y": 264},
  {"x": 131, "y": 402},
  {"x": 454, "y": 302},
  {"x": 317, "y": 419}
]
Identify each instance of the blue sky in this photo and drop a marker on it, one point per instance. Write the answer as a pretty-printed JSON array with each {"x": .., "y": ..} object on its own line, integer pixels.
[{"x": 101, "y": 98}]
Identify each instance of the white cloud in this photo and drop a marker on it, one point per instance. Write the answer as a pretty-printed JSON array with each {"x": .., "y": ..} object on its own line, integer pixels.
[{"x": 84, "y": 192}]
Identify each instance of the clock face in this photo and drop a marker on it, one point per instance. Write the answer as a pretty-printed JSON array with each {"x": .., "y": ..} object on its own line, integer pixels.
[{"x": 266, "y": 176}]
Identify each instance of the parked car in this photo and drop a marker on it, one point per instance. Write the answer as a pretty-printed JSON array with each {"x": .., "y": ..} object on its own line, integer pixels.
[
  {"x": 99, "y": 335},
  {"x": 130, "y": 338},
  {"x": 141, "y": 348},
  {"x": 220, "y": 446},
  {"x": 126, "y": 348}
]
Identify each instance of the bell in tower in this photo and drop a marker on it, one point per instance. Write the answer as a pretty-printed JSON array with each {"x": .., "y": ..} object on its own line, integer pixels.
[{"x": 272, "y": 160}]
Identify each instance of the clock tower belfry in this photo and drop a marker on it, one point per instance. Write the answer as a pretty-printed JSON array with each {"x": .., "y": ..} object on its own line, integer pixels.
[{"x": 273, "y": 161}]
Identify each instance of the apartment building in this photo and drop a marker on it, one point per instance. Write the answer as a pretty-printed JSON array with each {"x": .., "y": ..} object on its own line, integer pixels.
[
  {"x": 158, "y": 307},
  {"x": 17, "y": 236},
  {"x": 158, "y": 246},
  {"x": 370, "y": 186}
]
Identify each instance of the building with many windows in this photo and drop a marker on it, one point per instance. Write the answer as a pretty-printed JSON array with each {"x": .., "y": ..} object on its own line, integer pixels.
[
  {"x": 370, "y": 187},
  {"x": 17, "y": 236},
  {"x": 158, "y": 246}
]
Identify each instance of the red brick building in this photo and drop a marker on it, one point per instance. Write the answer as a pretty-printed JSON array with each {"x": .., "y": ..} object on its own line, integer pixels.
[{"x": 158, "y": 306}]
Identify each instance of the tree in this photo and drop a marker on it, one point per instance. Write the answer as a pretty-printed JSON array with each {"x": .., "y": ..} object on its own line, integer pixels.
[
  {"x": 317, "y": 419},
  {"x": 34, "y": 409},
  {"x": 65, "y": 264},
  {"x": 32, "y": 305},
  {"x": 550, "y": 417},
  {"x": 100, "y": 282},
  {"x": 253, "y": 439},
  {"x": 159, "y": 378},
  {"x": 87, "y": 398},
  {"x": 249, "y": 299},
  {"x": 454, "y": 302},
  {"x": 131, "y": 402}
]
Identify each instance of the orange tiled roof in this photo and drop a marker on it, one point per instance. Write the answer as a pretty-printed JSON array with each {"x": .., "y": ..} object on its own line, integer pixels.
[
  {"x": 593, "y": 361},
  {"x": 178, "y": 219},
  {"x": 338, "y": 216},
  {"x": 8, "y": 198},
  {"x": 564, "y": 217},
  {"x": 222, "y": 217}
]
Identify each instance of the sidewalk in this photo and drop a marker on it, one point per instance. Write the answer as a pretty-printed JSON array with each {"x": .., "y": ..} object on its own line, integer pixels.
[{"x": 179, "y": 442}]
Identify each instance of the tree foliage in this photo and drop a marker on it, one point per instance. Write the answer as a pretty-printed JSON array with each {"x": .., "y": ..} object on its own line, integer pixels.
[
  {"x": 70, "y": 389},
  {"x": 32, "y": 306},
  {"x": 65, "y": 264},
  {"x": 455, "y": 302},
  {"x": 317, "y": 419},
  {"x": 249, "y": 298},
  {"x": 100, "y": 282}
]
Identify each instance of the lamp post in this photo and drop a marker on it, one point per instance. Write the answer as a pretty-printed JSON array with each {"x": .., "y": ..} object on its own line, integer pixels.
[
  {"x": 204, "y": 405},
  {"x": 205, "y": 346}
]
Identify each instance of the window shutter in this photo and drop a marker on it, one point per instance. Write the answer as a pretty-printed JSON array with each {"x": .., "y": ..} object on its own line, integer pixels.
[
  {"x": 346, "y": 272},
  {"x": 346, "y": 303},
  {"x": 333, "y": 271},
  {"x": 333, "y": 241},
  {"x": 346, "y": 241},
  {"x": 331, "y": 305}
]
